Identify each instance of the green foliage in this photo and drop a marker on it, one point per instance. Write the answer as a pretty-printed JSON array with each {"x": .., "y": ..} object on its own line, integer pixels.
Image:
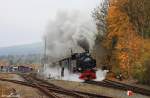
[
  {"x": 139, "y": 14},
  {"x": 141, "y": 69},
  {"x": 116, "y": 69}
]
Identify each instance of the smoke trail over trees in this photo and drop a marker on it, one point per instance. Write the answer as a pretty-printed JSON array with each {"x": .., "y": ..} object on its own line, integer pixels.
[{"x": 70, "y": 30}]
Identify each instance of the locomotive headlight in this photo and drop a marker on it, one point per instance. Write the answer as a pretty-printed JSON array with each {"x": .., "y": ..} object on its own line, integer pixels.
[{"x": 79, "y": 69}]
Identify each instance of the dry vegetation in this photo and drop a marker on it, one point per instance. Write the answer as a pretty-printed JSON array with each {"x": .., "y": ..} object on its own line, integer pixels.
[
  {"x": 6, "y": 75},
  {"x": 23, "y": 91},
  {"x": 6, "y": 88}
]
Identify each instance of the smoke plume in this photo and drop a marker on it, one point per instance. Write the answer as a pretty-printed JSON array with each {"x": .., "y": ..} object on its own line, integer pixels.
[{"x": 70, "y": 30}]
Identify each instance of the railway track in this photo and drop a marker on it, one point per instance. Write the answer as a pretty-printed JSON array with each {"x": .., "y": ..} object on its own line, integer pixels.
[
  {"x": 130, "y": 87},
  {"x": 50, "y": 89},
  {"x": 91, "y": 95},
  {"x": 121, "y": 86},
  {"x": 34, "y": 85}
]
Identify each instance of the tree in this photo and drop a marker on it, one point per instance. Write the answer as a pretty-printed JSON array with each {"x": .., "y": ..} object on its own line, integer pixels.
[
  {"x": 100, "y": 15},
  {"x": 139, "y": 13},
  {"x": 127, "y": 47}
]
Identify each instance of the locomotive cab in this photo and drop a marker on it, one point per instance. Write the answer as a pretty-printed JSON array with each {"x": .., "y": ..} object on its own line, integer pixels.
[
  {"x": 81, "y": 63},
  {"x": 85, "y": 65}
]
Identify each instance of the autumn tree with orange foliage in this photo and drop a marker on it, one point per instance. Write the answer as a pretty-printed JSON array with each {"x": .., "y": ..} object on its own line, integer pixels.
[
  {"x": 126, "y": 38},
  {"x": 127, "y": 48}
]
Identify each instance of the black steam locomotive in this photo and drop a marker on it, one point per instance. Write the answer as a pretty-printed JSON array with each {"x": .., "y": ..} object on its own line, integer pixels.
[{"x": 82, "y": 63}]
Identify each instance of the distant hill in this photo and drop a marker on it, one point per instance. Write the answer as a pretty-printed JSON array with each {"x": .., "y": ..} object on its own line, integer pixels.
[{"x": 35, "y": 48}]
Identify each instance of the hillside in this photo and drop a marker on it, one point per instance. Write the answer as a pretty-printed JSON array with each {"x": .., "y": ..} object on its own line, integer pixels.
[{"x": 34, "y": 48}]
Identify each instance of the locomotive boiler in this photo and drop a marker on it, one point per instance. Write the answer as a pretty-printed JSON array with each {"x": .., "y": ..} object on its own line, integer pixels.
[{"x": 81, "y": 63}]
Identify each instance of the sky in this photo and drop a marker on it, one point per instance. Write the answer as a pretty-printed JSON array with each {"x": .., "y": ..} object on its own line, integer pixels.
[{"x": 25, "y": 21}]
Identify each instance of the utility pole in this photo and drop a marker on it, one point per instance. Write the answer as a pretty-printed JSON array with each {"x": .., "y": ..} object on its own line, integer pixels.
[
  {"x": 45, "y": 53},
  {"x": 44, "y": 60}
]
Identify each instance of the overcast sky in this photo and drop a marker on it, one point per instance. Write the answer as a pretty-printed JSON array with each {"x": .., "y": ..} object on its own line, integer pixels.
[{"x": 25, "y": 21}]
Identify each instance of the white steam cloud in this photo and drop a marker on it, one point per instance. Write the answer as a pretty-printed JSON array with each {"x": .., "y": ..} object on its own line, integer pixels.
[
  {"x": 55, "y": 73},
  {"x": 70, "y": 30}
]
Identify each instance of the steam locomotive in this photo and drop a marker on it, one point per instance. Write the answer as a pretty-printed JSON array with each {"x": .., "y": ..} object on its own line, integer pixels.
[{"x": 82, "y": 63}]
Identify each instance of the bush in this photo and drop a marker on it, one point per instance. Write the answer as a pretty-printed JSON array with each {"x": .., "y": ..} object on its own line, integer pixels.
[{"x": 141, "y": 72}]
